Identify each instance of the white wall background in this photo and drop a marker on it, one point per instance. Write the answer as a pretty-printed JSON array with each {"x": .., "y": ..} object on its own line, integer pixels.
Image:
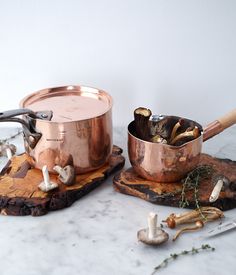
[{"x": 174, "y": 56}]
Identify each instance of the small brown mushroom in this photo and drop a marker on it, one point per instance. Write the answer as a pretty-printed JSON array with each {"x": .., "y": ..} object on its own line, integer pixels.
[
  {"x": 152, "y": 235},
  {"x": 198, "y": 225},
  {"x": 141, "y": 118},
  {"x": 210, "y": 213},
  {"x": 190, "y": 134},
  {"x": 66, "y": 174},
  {"x": 220, "y": 183}
]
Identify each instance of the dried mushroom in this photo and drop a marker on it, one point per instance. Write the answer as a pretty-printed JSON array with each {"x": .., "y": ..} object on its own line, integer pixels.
[
  {"x": 198, "y": 217},
  {"x": 207, "y": 213},
  {"x": 198, "y": 225},
  {"x": 171, "y": 130},
  {"x": 188, "y": 135},
  {"x": 141, "y": 118}
]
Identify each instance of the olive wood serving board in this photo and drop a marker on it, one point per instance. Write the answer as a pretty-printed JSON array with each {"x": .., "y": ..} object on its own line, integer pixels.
[
  {"x": 128, "y": 182},
  {"x": 20, "y": 195}
]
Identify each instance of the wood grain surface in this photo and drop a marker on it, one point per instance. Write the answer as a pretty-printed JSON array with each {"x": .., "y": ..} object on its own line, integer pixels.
[
  {"x": 128, "y": 182},
  {"x": 20, "y": 195}
]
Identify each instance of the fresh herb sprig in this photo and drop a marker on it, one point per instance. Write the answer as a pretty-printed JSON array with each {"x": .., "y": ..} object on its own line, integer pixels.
[
  {"x": 191, "y": 182},
  {"x": 172, "y": 257}
]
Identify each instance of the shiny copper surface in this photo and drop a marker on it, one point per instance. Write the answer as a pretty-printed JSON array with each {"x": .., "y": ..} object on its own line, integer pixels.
[
  {"x": 161, "y": 162},
  {"x": 166, "y": 163},
  {"x": 84, "y": 143}
]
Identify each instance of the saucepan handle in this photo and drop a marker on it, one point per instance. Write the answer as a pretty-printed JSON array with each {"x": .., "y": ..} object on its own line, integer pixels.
[{"x": 219, "y": 125}]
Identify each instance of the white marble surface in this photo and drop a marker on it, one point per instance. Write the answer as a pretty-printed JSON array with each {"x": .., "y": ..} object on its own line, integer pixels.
[{"x": 97, "y": 234}]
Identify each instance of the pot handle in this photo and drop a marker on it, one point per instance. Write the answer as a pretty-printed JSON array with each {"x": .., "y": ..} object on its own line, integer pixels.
[
  {"x": 45, "y": 115},
  {"x": 219, "y": 125},
  {"x": 31, "y": 136}
]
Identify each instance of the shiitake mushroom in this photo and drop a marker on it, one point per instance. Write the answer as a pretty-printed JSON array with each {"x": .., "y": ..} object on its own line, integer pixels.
[{"x": 172, "y": 130}]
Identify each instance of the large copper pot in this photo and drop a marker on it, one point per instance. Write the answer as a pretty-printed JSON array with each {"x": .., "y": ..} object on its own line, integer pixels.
[
  {"x": 166, "y": 163},
  {"x": 71, "y": 131}
]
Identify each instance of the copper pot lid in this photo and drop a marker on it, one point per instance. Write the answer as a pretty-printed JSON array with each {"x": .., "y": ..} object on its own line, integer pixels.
[{"x": 69, "y": 103}]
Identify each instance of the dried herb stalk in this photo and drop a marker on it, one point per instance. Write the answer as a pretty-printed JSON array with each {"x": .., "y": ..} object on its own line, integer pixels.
[
  {"x": 172, "y": 257},
  {"x": 191, "y": 182}
]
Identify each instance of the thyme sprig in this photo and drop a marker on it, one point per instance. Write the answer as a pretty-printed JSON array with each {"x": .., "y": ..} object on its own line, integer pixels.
[
  {"x": 172, "y": 257},
  {"x": 191, "y": 182}
]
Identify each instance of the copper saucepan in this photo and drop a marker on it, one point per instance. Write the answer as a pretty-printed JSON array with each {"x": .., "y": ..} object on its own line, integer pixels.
[
  {"x": 166, "y": 163},
  {"x": 76, "y": 130}
]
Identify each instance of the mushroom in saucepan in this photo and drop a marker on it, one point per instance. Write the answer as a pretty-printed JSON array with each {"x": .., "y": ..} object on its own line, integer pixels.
[
  {"x": 188, "y": 135},
  {"x": 172, "y": 130},
  {"x": 163, "y": 126},
  {"x": 152, "y": 235},
  {"x": 176, "y": 128},
  {"x": 158, "y": 139},
  {"x": 141, "y": 118},
  {"x": 66, "y": 174}
]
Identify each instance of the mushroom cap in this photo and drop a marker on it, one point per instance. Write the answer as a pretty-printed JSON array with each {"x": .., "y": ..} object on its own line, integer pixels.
[
  {"x": 47, "y": 188},
  {"x": 70, "y": 175},
  {"x": 161, "y": 237}
]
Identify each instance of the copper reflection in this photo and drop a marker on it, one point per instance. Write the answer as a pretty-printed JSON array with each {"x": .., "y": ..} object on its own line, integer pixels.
[
  {"x": 161, "y": 162},
  {"x": 87, "y": 144},
  {"x": 166, "y": 163}
]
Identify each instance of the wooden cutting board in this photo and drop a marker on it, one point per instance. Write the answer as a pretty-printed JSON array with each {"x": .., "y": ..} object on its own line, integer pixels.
[
  {"x": 20, "y": 195},
  {"x": 128, "y": 182}
]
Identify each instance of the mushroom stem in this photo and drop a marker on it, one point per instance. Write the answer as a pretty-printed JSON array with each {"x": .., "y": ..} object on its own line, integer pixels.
[
  {"x": 152, "y": 225},
  {"x": 141, "y": 118},
  {"x": 46, "y": 185},
  {"x": 60, "y": 171},
  {"x": 198, "y": 225},
  {"x": 152, "y": 235},
  {"x": 210, "y": 213},
  {"x": 216, "y": 190},
  {"x": 187, "y": 134},
  {"x": 46, "y": 177},
  {"x": 9, "y": 153},
  {"x": 174, "y": 220},
  {"x": 175, "y": 129}
]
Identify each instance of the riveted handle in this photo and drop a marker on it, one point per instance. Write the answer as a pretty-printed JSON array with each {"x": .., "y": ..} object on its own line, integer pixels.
[
  {"x": 30, "y": 134},
  {"x": 45, "y": 115}
]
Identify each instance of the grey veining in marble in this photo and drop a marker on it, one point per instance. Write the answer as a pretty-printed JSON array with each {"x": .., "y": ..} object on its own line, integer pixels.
[{"x": 97, "y": 234}]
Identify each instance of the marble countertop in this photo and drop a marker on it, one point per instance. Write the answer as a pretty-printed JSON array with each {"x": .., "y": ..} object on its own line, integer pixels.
[{"x": 97, "y": 234}]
